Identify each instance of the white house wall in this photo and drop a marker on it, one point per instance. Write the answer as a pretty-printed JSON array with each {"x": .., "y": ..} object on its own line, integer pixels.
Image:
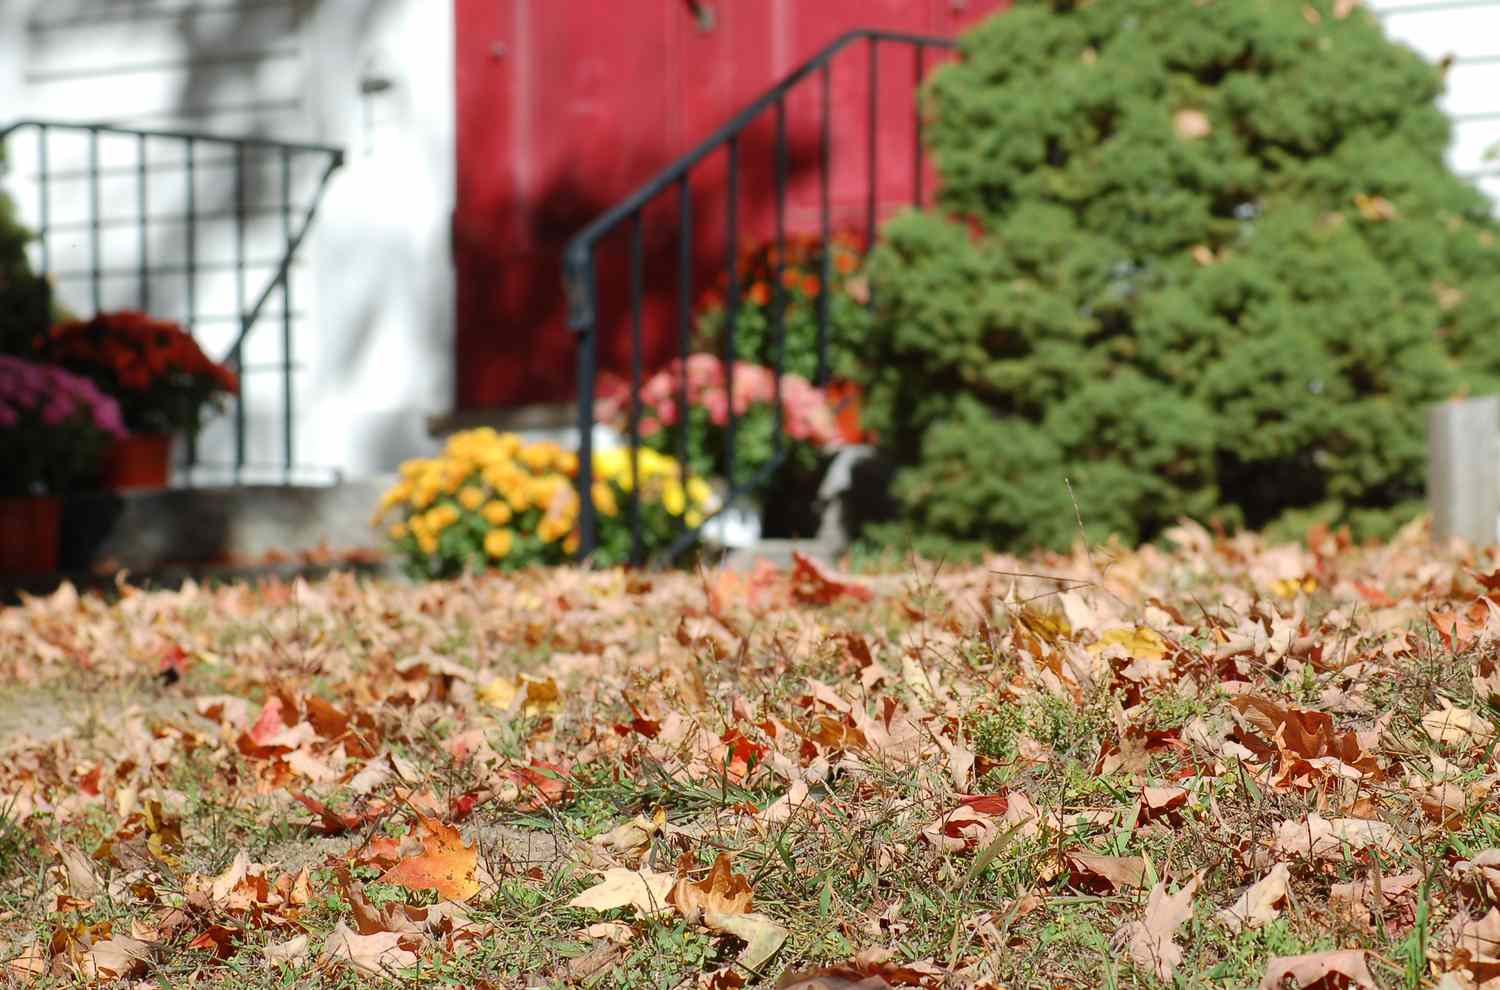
[{"x": 372, "y": 288}]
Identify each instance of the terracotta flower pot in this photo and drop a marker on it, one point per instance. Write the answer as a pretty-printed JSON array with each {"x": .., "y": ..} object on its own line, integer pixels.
[
  {"x": 30, "y": 528},
  {"x": 141, "y": 460}
]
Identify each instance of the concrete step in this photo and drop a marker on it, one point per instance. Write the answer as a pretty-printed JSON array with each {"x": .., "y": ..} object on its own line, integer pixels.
[{"x": 149, "y": 530}]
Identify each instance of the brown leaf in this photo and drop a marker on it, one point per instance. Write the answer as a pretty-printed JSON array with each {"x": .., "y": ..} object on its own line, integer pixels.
[
  {"x": 1320, "y": 971},
  {"x": 1319, "y": 838},
  {"x": 762, "y": 936},
  {"x": 445, "y": 864},
  {"x": 289, "y": 953},
  {"x": 1458, "y": 728},
  {"x": 380, "y": 954},
  {"x": 723, "y": 891},
  {"x": 1191, "y": 125},
  {"x": 114, "y": 958},
  {"x": 646, "y": 891},
  {"x": 1260, "y": 903},
  {"x": 1150, "y": 939},
  {"x": 1098, "y": 873},
  {"x": 815, "y": 583}
]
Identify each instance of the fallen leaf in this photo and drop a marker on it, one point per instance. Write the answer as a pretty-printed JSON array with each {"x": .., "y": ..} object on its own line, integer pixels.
[
  {"x": 380, "y": 954},
  {"x": 1319, "y": 971},
  {"x": 723, "y": 892},
  {"x": 115, "y": 958},
  {"x": 815, "y": 583},
  {"x": 1260, "y": 903},
  {"x": 644, "y": 890},
  {"x": 1113, "y": 873},
  {"x": 1150, "y": 939},
  {"x": 445, "y": 864},
  {"x": 762, "y": 936},
  {"x": 1320, "y": 838},
  {"x": 1458, "y": 727},
  {"x": 289, "y": 953}
]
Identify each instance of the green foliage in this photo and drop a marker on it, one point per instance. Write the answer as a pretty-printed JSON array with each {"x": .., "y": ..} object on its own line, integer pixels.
[
  {"x": 799, "y": 299},
  {"x": 1182, "y": 263},
  {"x": 25, "y": 298}
]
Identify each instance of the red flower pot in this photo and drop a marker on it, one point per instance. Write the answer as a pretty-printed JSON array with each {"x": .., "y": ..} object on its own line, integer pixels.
[
  {"x": 30, "y": 528},
  {"x": 140, "y": 460}
]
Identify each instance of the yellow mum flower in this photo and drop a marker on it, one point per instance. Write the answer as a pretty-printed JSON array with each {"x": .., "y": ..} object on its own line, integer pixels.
[
  {"x": 440, "y": 517},
  {"x": 496, "y": 513},
  {"x": 567, "y": 462},
  {"x": 552, "y": 528},
  {"x": 539, "y": 456},
  {"x": 604, "y": 499},
  {"x": 674, "y": 499},
  {"x": 570, "y": 545},
  {"x": 611, "y": 463},
  {"x": 497, "y": 542},
  {"x": 397, "y": 531},
  {"x": 428, "y": 543},
  {"x": 693, "y": 518},
  {"x": 423, "y": 496},
  {"x": 470, "y": 497},
  {"x": 700, "y": 491}
]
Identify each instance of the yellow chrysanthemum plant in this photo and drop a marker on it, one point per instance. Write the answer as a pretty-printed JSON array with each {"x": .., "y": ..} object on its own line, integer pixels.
[{"x": 491, "y": 500}]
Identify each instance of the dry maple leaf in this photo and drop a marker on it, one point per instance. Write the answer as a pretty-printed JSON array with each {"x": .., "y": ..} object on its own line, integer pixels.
[
  {"x": 644, "y": 890},
  {"x": 1458, "y": 727},
  {"x": 1100, "y": 873},
  {"x": 1320, "y": 838},
  {"x": 445, "y": 864},
  {"x": 380, "y": 954},
  {"x": 815, "y": 583},
  {"x": 1150, "y": 939},
  {"x": 1260, "y": 903},
  {"x": 762, "y": 936},
  {"x": 1319, "y": 971},
  {"x": 723, "y": 891}
]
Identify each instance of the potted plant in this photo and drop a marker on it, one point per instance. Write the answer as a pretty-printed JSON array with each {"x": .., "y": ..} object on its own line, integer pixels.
[
  {"x": 54, "y": 428},
  {"x": 491, "y": 500},
  {"x": 161, "y": 377},
  {"x": 808, "y": 425}
]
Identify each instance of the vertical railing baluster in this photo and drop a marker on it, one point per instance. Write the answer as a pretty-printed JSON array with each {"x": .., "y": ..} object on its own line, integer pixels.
[
  {"x": 872, "y": 165},
  {"x": 583, "y": 303},
  {"x": 287, "y": 422},
  {"x": 96, "y": 273},
  {"x": 731, "y": 305},
  {"x": 239, "y": 308},
  {"x": 190, "y": 208},
  {"x": 916, "y": 153},
  {"x": 143, "y": 245},
  {"x": 825, "y": 155},
  {"x": 637, "y": 264},
  {"x": 44, "y": 179},
  {"x": 684, "y": 320},
  {"x": 778, "y": 305}
]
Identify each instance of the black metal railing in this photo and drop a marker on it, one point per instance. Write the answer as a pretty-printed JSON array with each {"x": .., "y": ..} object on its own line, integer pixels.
[
  {"x": 581, "y": 262},
  {"x": 102, "y": 192}
]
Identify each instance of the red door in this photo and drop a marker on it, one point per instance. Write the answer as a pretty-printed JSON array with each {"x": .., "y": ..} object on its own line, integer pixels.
[{"x": 565, "y": 108}]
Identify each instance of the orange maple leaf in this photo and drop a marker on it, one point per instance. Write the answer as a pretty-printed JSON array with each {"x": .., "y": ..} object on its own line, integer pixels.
[{"x": 445, "y": 864}]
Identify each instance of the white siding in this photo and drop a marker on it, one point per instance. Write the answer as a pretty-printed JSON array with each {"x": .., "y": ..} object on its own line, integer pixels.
[
  {"x": 1468, "y": 32},
  {"x": 372, "y": 292}
]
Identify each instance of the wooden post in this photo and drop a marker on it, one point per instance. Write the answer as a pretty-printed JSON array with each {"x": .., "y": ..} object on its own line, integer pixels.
[{"x": 1463, "y": 469}]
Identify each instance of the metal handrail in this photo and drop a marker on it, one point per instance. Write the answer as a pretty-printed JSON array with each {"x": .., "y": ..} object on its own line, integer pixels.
[
  {"x": 580, "y": 263},
  {"x": 250, "y": 309}
]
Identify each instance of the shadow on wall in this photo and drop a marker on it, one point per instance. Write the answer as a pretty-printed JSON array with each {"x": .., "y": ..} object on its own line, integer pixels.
[{"x": 501, "y": 305}]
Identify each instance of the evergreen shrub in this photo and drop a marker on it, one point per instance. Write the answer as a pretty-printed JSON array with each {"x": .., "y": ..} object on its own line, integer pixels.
[{"x": 1198, "y": 259}]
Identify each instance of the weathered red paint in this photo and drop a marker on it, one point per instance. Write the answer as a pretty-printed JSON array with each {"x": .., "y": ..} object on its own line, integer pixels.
[{"x": 565, "y": 106}]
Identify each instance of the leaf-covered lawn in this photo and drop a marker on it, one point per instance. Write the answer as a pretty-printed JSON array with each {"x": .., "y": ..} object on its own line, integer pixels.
[{"x": 1219, "y": 764}]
